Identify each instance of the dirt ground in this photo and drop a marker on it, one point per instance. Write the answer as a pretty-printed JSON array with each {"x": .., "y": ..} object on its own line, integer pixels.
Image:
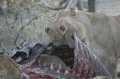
[{"x": 110, "y": 7}]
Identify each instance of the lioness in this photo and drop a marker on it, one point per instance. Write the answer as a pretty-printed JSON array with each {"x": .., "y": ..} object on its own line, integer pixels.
[
  {"x": 8, "y": 68},
  {"x": 62, "y": 34},
  {"x": 99, "y": 30},
  {"x": 48, "y": 60},
  {"x": 101, "y": 77}
]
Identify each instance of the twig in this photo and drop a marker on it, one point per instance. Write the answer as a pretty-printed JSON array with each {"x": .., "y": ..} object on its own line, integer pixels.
[
  {"x": 3, "y": 9},
  {"x": 55, "y": 8},
  {"x": 8, "y": 25},
  {"x": 21, "y": 18},
  {"x": 23, "y": 28},
  {"x": 1, "y": 40},
  {"x": 71, "y": 4},
  {"x": 3, "y": 46}
]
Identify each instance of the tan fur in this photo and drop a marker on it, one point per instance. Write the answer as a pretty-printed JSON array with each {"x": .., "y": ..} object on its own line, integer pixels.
[
  {"x": 8, "y": 68},
  {"x": 101, "y": 77},
  {"x": 103, "y": 32},
  {"x": 74, "y": 11},
  {"x": 63, "y": 29},
  {"x": 48, "y": 60}
]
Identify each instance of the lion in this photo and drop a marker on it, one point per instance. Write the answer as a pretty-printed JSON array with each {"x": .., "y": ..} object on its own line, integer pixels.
[
  {"x": 97, "y": 30},
  {"x": 48, "y": 60},
  {"x": 63, "y": 33},
  {"x": 101, "y": 77},
  {"x": 8, "y": 68}
]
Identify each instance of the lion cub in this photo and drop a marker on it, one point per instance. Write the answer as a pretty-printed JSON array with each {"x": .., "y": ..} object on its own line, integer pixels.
[
  {"x": 62, "y": 30},
  {"x": 101, "y": 77},
  {"x": 8, "y": 68}
]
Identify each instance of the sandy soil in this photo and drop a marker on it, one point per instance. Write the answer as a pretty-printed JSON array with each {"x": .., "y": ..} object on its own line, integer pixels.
[{"x": 111, "y": 8}]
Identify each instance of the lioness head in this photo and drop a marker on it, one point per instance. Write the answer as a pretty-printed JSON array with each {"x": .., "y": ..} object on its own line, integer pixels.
[
  {"x": 64, "y": 27},
  {"x": 61, "y": 32},
  {"x": 57, "y": 33}
]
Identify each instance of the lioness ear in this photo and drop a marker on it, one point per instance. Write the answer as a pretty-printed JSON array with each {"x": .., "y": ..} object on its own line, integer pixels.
[
  {"x": 62, "y": 29},
  {"x": 74, "y": 11},
  {"x": 48, "y": 30}
]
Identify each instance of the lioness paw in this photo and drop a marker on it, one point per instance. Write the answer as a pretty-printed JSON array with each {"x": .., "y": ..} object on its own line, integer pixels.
[{"x": 71, "y": 44}]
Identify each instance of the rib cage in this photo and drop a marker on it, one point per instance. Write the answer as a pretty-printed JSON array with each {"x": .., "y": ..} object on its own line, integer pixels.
[{"x": 82, "y": 62}]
